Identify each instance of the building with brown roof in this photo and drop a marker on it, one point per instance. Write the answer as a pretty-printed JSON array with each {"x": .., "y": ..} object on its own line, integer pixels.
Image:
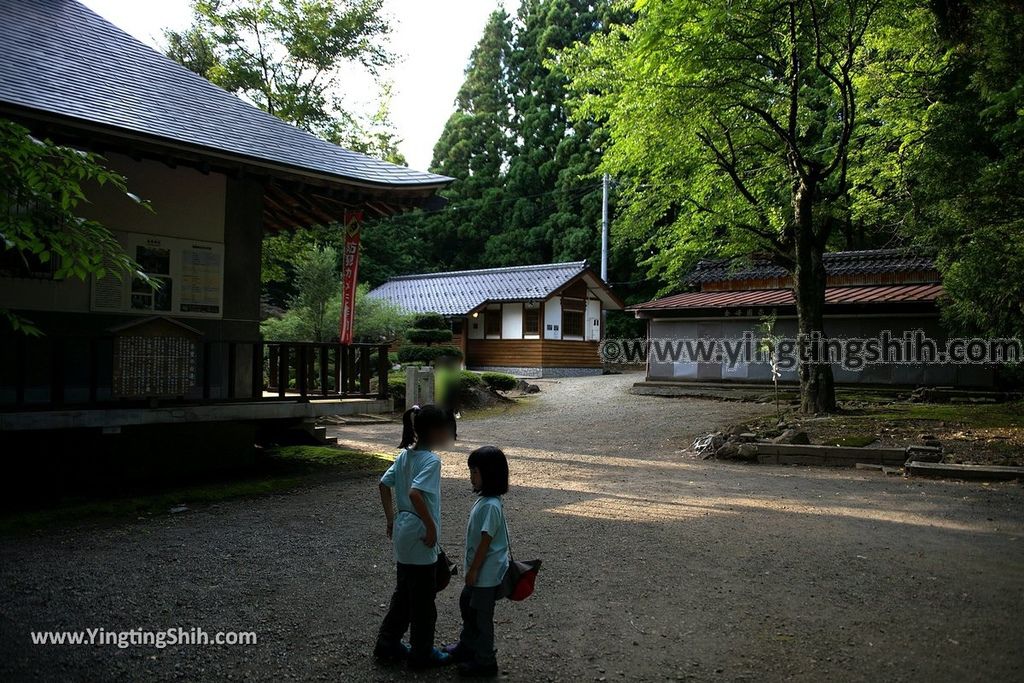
[{"x": 869, "y": 294}]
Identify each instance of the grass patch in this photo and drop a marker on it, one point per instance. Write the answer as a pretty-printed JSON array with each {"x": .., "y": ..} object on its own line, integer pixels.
[
  {"x": 1009, "y": 414},
  {"x": 313, "y": 458},
  {"x": 282, "y": 469},
  {"x": 499, "y": 409}
]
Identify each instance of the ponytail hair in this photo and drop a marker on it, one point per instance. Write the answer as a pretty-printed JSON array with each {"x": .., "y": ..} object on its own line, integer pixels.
[{"x": 419, "y": 423}]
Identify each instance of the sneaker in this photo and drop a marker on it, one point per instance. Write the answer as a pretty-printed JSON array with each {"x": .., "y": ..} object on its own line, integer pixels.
[
  {"x": 435, "y": 659},
  {"x": 457, "y": 652},
  {"x": 391, "y": 652},
  {"x": 474, "y": 670}
]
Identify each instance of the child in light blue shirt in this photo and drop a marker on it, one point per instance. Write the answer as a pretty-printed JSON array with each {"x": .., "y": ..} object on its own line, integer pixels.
[
  {"x": 486, "y": 563},
  {"x": 415, "y": 480}
]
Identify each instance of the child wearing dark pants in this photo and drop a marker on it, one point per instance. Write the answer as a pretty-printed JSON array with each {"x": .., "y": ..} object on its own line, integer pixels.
[
  {"x": 412, "y": 485},
  {"x": 486, "y": 563},
  {"x": 412, "y": 608},
  {"x": 477, "y": 607}
]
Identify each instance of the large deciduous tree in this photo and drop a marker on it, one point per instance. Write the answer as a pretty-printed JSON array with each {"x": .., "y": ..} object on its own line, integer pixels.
[
  {"x": 289, "y": 57},
  {"x": 732, "y": 125}
]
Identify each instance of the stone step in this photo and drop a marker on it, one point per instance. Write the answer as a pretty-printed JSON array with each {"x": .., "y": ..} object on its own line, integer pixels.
[
  {"x": 838, "y": 456},
  {"x": 968, "y": 472}
]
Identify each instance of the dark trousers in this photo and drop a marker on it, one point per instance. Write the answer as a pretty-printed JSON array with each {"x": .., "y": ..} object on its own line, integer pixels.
[
  {"x": 477, "y": 637},
  {"x": 412, "y": 607}
]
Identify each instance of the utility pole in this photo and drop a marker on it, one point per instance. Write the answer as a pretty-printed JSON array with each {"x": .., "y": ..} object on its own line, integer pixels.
[{"x": 606, "y": 181}]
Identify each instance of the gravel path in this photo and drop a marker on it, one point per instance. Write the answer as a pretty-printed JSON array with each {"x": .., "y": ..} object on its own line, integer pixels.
[{"x": 656, "y": 565}]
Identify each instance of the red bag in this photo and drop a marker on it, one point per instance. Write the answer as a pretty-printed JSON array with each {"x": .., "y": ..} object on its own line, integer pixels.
[{"x": 521, "y": 578}]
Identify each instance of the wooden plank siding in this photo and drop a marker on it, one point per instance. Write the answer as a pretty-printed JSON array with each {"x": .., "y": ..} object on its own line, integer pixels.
[
  {"x": 532, "y": 353},
  {"x": 570, "y": 354},
  {"x": 519, "y": 353}
]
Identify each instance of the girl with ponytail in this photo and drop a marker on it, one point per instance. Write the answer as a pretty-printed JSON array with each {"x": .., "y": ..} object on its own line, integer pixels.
[{"x": 413, "y": 485}]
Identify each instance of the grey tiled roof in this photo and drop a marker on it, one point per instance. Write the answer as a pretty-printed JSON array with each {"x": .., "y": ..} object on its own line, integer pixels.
[
  {"x": 866, "y": 262},
  {"x": 59, "y": 57},
  {"x": 459, "y": 292}
]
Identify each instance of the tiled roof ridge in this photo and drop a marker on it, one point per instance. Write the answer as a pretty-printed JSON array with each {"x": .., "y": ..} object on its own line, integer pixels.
[{"x": 483, "y": 271}]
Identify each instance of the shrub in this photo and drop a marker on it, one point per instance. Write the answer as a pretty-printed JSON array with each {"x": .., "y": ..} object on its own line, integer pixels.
[
  {"x": 454, "y": 386},
  {"x": 468, "y": 380},
  {"x": 429, "y": 321},
  {"x": 396, "y": 388},
  {"x": 499, "y": 381},
  {"x": 424, "y": 336},
  {"x": 427, "y": 354}
]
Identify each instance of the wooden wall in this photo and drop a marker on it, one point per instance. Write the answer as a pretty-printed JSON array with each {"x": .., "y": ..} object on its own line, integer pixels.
[
  {"x": 570, "y": 354},
  {"x": 532, "y": 353}
]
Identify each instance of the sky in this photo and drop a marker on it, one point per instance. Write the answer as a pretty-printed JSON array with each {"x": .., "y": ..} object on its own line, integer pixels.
[{"x": 433, "y": 39}]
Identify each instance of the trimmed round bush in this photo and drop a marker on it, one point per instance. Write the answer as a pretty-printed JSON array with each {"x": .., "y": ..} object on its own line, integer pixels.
[
  {"x": 427, "y": 354},
  {"x": 467, "y": 380},
  {"x": 429, "y": 321},
  {"x": 418, "y": 336},
  {"x": 499, "y": 381}
]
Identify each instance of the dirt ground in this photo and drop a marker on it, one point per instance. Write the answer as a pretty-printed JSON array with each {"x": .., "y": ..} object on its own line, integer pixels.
[{"x": 656, "y": 566}]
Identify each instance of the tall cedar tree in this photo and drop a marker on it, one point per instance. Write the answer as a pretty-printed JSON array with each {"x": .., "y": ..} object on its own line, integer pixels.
[
  {"x": 526, "y": 189},
  {"x": 474, "y": 148},
  {"x": 554, "y": 212}
]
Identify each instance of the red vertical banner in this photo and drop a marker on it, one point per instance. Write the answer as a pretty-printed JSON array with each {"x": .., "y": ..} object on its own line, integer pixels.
[{"x": 350, "y": 275}]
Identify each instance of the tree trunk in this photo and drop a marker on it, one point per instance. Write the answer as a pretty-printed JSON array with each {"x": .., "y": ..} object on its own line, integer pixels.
[{"x": 817, "y": 388}]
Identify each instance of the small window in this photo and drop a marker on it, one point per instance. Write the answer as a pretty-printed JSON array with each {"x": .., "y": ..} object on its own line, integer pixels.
[
  {"x": 572, "y": 323},
  {"x": 531, "y": 320},
  {"x": 492, "y": 323}
]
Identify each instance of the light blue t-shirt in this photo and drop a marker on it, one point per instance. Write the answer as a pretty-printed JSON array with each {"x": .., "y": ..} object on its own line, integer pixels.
[
  {"x": 420, "y": 470},
  {"x": 487, "y": 516}
]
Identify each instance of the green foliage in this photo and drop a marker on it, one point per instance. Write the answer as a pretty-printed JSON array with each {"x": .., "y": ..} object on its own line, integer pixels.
[
  {"x": 622, "y": 325},
  {"x": 375, "y": 321},
  {"x": 318, "y": 282},
  {"x": 427, "y": 354},
  {"x": 955, "y": 114},
  {"x": 378, "y": 319},
  {"x": 42, "y": 186},
  {"x": 450, "y": 383},
  {"x": 429, "y": 321},
  {"x": 429, "y": 328},
  {"x": 396, "y": 386},
  {"x": 526, "y": 188},
  {"x": 499, "y": 381},
  {"x": 731, "y": 129},
  {"x": 717, "y": 116},
  {"x": 428, "y": 337},
  {"x": 288, "y": 56}
]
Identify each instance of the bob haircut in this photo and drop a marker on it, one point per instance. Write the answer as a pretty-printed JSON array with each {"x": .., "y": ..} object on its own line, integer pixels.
[{"x": 493, "y": 467}]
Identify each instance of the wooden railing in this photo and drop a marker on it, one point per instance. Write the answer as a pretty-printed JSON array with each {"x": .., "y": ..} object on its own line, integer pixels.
[
  {"x": 327, "y": 370},
  {"x": 86, "y": 372}
]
